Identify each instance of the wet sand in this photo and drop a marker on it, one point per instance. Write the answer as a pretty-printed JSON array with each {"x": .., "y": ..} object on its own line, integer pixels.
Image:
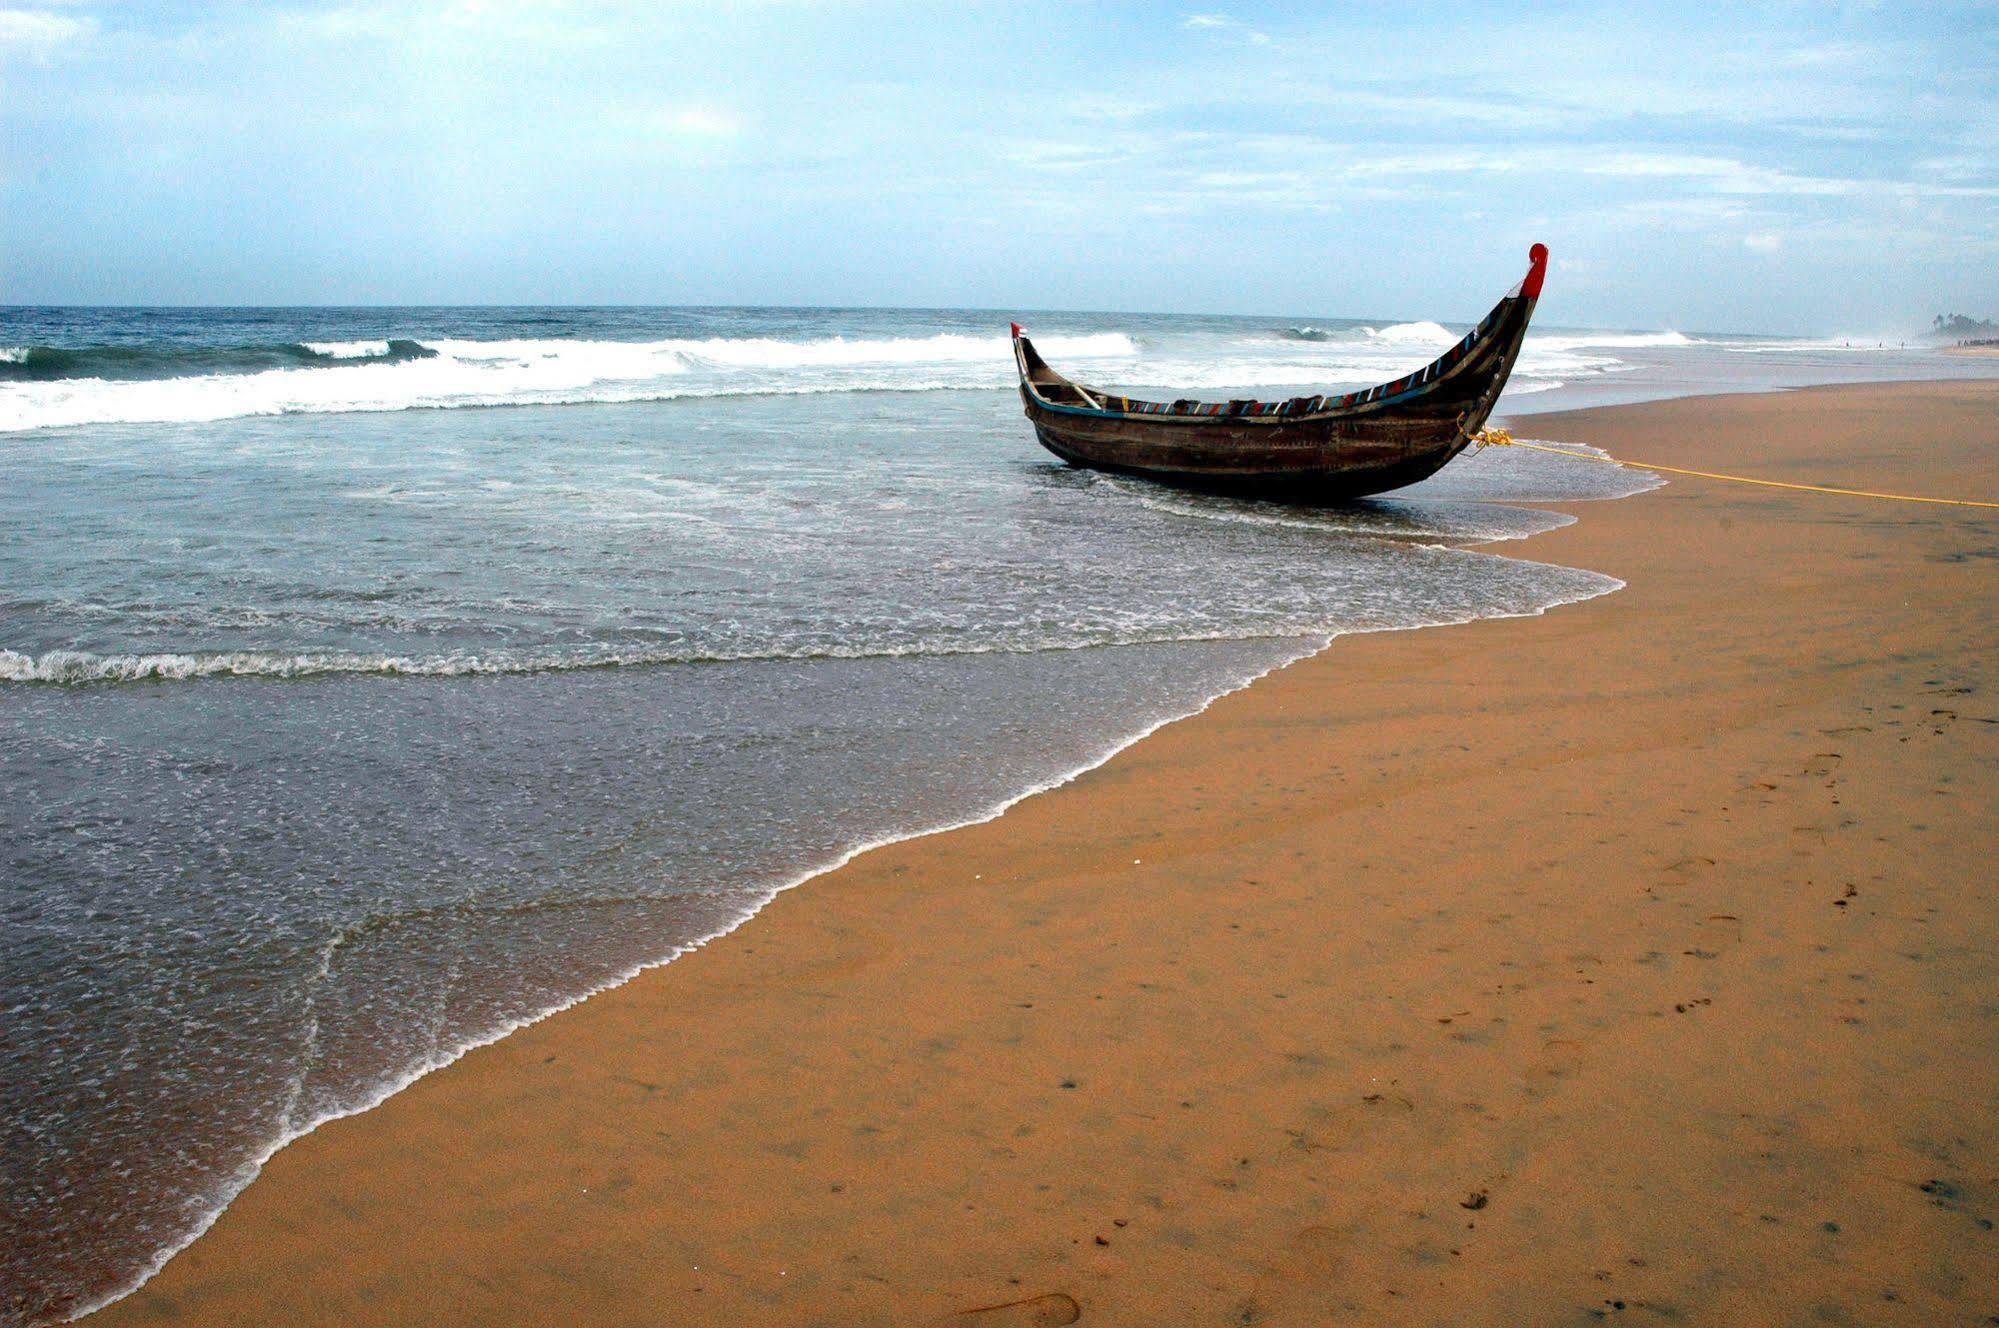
[{"x": 1639, "y": 963}]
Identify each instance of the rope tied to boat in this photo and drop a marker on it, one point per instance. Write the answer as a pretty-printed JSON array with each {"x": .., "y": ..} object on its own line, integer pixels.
[{"x": 1502, "y": 438}]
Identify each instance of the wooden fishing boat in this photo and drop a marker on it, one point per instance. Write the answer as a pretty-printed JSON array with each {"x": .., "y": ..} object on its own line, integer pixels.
[{"x": 1307, "y": 448}]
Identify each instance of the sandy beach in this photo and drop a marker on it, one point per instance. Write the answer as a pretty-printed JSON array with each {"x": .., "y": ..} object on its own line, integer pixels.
[{"x": 1631, "y": 963}]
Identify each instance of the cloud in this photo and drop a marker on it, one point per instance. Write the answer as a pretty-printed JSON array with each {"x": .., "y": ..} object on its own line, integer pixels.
[
  {"x": 39, "y": 31},
  {"x": 1762, "y": 242},
  {"x": 1223, "y": 23},
  {"x": 698, "y": 122}
]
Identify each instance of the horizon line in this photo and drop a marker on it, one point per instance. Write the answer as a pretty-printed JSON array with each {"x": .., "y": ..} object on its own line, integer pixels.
[{"x": 997, "y": 310}]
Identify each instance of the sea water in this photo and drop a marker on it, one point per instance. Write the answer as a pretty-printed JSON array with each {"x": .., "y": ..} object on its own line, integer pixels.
[{"x": 374, "y": 681}]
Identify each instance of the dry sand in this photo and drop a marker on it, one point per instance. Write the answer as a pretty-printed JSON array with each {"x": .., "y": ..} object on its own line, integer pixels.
[{"x": 1635, "y": 963}]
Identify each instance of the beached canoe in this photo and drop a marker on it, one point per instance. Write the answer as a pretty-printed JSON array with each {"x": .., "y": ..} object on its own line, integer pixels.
[{"x": 1313, "y": 448}]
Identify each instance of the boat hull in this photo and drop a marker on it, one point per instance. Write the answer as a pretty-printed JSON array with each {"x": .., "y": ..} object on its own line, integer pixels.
[
  {"x": 1306, "y": 462},
  {"x": 1308, "y": 448}
]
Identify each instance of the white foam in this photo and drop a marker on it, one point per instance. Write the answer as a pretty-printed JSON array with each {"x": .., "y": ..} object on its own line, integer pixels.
[
  {"x": 1311, "y": 358},
  {"x": 73, "y": 667},
  {"x": 346, "y": 350},
  {"x": 13, "y": 354},
  {"x": 1415, "y": 334},
  {"x": 1612, "y": 340},
  {"x": 1870, "y": 345},
  {"x": 1505, "y": 523},
  {"x": 946, "y": 348},
  {"x": 551, "y": 372}
]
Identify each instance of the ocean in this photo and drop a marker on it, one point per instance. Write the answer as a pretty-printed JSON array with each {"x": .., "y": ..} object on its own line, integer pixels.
[{"x": 374, "y": 681}]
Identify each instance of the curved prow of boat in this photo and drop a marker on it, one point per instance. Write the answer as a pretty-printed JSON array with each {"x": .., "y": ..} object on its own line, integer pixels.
[{"x": 1341, "y": 445}]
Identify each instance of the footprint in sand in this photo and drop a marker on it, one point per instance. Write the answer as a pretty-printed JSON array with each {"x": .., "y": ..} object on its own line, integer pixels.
[
  {"x": 1314, "y": 1258},
  {"x": 1049, "y": 1311},
  {"x": 1315, "y": 1255},
  {"x": 1559, "y": 1058}
]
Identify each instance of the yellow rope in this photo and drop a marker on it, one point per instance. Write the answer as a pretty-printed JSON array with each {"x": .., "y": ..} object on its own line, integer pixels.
[{"x": 1501, "y": 438}]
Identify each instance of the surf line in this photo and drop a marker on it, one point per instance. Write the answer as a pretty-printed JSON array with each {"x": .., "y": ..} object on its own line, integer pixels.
[{"x": 1501, "y": 438}]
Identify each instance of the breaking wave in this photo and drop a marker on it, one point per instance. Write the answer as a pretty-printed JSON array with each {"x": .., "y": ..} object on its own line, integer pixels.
[
  {"x": 47, "y": 387},
  {"x": 1419, "y": 334},
  {"x": 1423, "y": 334},
  {"x": 47, "y": 364}
]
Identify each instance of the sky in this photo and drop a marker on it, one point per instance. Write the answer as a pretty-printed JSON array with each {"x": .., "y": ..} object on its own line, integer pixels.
[{"x": 1789, "y": 168}]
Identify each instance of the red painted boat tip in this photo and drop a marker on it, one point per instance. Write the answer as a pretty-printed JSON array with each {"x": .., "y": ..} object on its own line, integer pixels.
[
  {"x": 1015, "y": 327},
  {"x": 1538, "y": 257}
]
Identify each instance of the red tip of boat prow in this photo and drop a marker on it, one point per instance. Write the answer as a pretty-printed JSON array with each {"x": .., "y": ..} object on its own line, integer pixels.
[
  {"x": 1537, "y": 258},
  {"x": 1015, "y": 327}
]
